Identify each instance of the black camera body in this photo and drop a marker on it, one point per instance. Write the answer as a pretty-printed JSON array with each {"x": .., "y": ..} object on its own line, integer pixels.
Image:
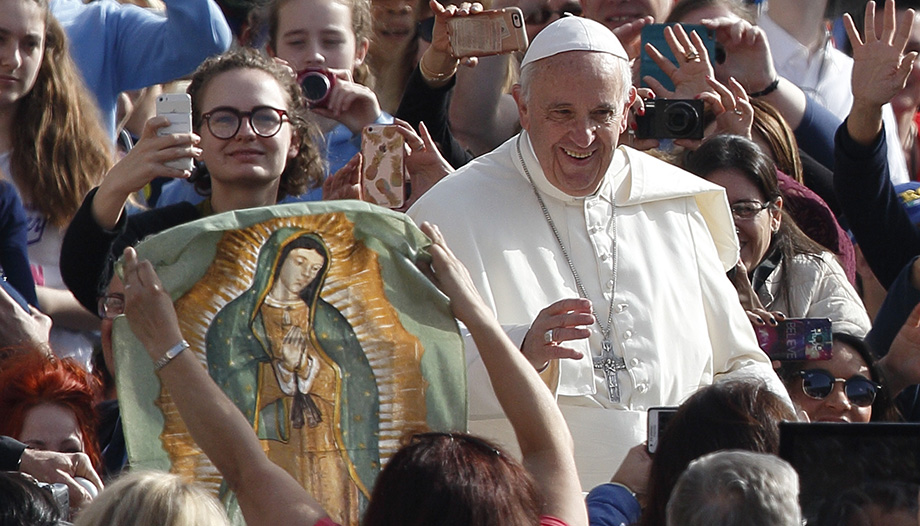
[
  {"x": 316, "y": 84},
  {"x": 671, "y": 119}
]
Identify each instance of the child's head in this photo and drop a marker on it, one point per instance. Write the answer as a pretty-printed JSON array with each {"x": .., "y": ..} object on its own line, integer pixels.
[{"x": 321, "y": 33}]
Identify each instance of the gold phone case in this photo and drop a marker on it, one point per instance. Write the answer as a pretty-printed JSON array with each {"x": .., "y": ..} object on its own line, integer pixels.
[
  {"x": 383, "y": 181},
  {"x": 488, "y": 33}
]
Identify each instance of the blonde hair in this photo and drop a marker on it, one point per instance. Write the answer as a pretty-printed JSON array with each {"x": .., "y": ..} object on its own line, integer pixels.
[{"x": 151, "y": 498}]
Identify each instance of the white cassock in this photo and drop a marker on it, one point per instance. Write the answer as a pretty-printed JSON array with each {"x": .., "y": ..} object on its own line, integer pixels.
[{"x": 677, "y": 321}]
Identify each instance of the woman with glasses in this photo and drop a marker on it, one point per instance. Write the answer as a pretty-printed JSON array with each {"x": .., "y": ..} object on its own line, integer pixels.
[
  {"x": 847, "y": 388},
  {"x": 789, "y": 273},
  {"x": 252, "y": 132}
]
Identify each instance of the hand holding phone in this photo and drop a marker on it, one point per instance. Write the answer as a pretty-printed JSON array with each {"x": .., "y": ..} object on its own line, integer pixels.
[
  {"x": 177, "y": 107},
  {"x": 658, "y": 418},
  {"x": 655, "y": 34},
  {"x": 383, "y": 180},
  {"x": 492, "y": 32}
]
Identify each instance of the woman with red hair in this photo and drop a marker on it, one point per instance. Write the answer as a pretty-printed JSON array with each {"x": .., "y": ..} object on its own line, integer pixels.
[{"x": 48, "y": 404}]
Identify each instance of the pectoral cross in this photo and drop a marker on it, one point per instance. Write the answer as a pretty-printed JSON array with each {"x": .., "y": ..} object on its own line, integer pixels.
[{"x": 610, "y": 364}]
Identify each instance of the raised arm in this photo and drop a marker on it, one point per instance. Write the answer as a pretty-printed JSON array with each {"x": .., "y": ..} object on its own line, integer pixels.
[
  {"x": 889, "y": 240},
  {"x": 144, "y": 163},
  {"x": 267, "y": 494},
  {"x": 748, "y": 60},
  {"x": 880, "y": 69},
  {"x": 153, "y": 49},
  {"x": 544, "y": 438}
]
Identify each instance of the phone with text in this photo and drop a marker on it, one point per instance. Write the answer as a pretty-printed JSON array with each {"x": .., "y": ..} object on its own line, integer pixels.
[
  {"x": 383, "y": 180},
  {"x": 177, "y": 107},
  {"x": 492, "y": 32},
  {"x": 658, "y": 418},
  {"x": 796, "y": 339},
  {"x": 654, "y": 34}
]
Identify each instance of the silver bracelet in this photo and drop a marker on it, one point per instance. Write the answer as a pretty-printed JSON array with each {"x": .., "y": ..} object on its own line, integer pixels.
[{"x": 168, "y": 356}]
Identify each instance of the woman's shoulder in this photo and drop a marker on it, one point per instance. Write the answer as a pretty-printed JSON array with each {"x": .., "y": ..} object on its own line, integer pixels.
[
  {"x": 156, "y": 220},
  {"x": 819, "y": 264}
]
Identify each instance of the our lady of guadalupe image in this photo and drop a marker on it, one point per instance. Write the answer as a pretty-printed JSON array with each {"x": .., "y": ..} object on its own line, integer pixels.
[{"x": 306, "y": 327}]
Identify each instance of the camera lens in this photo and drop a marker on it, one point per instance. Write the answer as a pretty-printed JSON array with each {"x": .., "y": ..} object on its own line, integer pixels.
[
  {"x": 315, "y": 85},
  {"x": 681, "y": 119}
]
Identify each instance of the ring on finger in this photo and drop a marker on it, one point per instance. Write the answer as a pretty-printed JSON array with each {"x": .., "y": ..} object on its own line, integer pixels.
[
  {"x": 692, "y": 55},
  {"x": 738, "y": 111},
  {"x": 548, "y": 336}
]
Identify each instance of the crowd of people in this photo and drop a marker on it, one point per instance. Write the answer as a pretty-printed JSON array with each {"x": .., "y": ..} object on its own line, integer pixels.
[{"x": 595, "y": 272}]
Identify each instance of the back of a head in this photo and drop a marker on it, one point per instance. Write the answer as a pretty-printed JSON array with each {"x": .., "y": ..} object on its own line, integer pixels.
[
  {"x": 454, "y": 479},
  {"x": 736, "y": 488},
  {"x": 149, "y": 498},
  {"x": 875, "y": 502},
  {"x": 22, "y": 502},
  {"x": 736, "y": 414}
]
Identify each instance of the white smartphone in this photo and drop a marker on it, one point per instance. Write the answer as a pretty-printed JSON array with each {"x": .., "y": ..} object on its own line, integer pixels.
[{"x": 177, "y": 107}]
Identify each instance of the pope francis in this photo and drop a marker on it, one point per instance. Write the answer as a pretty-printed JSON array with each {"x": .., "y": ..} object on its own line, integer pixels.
[{"x": 605, "y": 264}]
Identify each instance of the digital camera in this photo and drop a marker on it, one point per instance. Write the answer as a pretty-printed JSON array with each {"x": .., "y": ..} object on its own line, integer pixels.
[
  {"x": 316, "y": 84},
  {"x": 59, "y": 495},
  {"x": 671, "y": 119}
]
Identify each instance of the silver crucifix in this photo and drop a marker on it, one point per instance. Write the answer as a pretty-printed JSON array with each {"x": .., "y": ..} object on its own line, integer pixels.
[{"x": 610, "y": 364}]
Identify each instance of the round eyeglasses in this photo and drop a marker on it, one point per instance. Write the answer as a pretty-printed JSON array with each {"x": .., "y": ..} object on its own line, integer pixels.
[
  {"x": 748, "y": 209},
  {"x": 225, "y": 122},
  {"x": 818, "y": 384}
]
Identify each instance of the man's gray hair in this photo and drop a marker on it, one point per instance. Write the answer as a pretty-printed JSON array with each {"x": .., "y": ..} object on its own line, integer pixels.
[
  {"x": 736, "y": 488},
  {"x": 622, "y": 74}
]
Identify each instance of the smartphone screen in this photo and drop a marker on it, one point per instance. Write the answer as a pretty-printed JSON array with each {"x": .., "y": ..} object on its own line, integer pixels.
[
  {"x": 177, "y": 107},
  {"x": 658, "y": 418},
  {"x": 797, "y": 339},
  {"x": 654, "y": 34}
]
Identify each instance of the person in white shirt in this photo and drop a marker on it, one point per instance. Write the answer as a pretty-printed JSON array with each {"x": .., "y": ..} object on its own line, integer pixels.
[
  {"x": 803, "y": 53},
  {"x": 607, "y": 265}
]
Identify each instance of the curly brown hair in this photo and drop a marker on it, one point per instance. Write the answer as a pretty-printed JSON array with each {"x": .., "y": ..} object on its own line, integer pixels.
[
  {"x": 60, "y": 148},
  {"x": 305, "y": 171}
]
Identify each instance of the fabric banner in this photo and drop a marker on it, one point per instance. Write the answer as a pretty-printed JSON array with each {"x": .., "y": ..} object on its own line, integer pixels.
[{"x": 316, "y": 322}]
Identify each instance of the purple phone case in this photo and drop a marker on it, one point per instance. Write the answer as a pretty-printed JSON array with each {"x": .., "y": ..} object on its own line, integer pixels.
[{"x": 797, "y": 339}]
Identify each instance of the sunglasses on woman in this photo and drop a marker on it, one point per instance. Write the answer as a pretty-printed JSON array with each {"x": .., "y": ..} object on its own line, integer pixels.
[{"x": 818, "y": 384}]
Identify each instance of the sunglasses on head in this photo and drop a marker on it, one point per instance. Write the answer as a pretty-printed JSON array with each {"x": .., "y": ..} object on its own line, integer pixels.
[{"x": 818, "y": 384}]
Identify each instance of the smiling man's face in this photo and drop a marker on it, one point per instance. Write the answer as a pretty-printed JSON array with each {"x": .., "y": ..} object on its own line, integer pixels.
[
  {"x": 574, "y": 113},
  {"x": 615, "y": 13}
]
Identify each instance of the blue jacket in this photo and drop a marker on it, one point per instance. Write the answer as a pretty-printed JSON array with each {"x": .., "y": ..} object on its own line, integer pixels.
[
  {"x": 612, "y": 505},
  {"x": 124, "y": 47}
]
